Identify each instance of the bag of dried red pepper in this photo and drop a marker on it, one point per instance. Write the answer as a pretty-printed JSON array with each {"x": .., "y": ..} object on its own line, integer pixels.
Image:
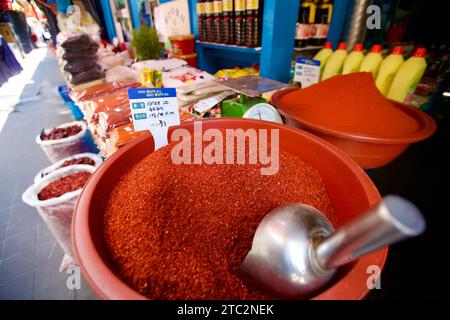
[
  {"x": 55, "y": 197},
  {"x": 65, "y": 140},
  {"x": 87, "y": 158}
]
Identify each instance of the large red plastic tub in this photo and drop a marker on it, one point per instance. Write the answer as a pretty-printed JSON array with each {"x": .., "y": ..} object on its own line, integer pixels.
[
  {"x": 368, "y": 152},
  {"x": 351, "y": 192}
]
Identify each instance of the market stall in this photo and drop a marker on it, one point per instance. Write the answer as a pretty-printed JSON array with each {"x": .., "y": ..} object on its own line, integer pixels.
[{"x": 201, "y": 153}]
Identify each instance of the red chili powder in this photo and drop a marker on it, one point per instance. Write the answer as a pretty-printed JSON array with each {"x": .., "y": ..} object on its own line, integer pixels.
[
  {"x": 60, "y": 133},
  {"x": 64, "y": 185},
  {"x": 350, "y": 103},
  {"x": 83, "y": 160},
  {"x": 182, "y": 231}
]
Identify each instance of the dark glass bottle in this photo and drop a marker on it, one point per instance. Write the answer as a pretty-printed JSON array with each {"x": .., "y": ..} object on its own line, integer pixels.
[
  {"x": 228, "y": 21},
  {"x": 201, "y": 19},
  {"x": 304, "y": 23},
  {"x": 239, "y": 22},
  {"x": 209, "y": 15},
  {"x": 217, "y": 25},
  {"x": 251, "y": 23},
  {"x": 322, "y": 21}
]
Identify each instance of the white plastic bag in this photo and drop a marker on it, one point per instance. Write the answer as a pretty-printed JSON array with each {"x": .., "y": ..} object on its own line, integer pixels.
[
  {"x": 121, "y": 73},
  {"x": 57, "y": 212},
  {"x": 62, "y": 148},
  {"x": 98, "y": 160},
  {"x": 159, "y": 64}
]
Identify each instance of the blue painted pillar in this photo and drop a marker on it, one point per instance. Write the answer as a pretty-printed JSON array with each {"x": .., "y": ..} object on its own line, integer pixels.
[
  {"x": 134, "y": 11},
  {"x": 279, "y": 21},
  {"x": 193, "y": 16},
  {"x": 109, "y": 19},
  {"x": 340, "y": 8}
]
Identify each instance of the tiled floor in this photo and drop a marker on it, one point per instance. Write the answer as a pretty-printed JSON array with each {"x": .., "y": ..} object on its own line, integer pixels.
[{"x": 29, "y": 254}]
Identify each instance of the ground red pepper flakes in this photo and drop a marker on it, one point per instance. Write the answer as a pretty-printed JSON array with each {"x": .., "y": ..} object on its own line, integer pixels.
[
  {"x": 352, "y": 104},
  {"x": 60, "y": 133},
  {"x": 182, "y": 231},
  {"x": 64, "y": 185}
]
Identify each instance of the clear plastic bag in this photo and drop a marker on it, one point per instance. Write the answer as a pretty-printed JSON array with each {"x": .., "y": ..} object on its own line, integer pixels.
[
  {"x": 57, "y": 212},
  {"x": 121, "y": 73},
  {"x": 98, "y": 160},
  {"x": 62, "y": 148},
  {"x": 74, "y": 40},
  {"x": 80, "y": 65},
  {"x": 85, "y": 76}
]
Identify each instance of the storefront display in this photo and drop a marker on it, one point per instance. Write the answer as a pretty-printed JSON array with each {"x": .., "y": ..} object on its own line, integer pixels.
[{"x": 170, "y": 212}]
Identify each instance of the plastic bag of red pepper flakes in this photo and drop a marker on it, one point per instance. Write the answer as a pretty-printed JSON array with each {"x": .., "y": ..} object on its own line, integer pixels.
[
  {"x": 59, "y": 148},
  {"x": 57, "y": 212},
  {"x": 93, "y": 159}
]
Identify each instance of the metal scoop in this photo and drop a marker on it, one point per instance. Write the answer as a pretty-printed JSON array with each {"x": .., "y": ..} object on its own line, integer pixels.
[{"x": 296, "y": 251}]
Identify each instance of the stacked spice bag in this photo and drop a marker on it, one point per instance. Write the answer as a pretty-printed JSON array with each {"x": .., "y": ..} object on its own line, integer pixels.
[{"x": 77, "y": 55}]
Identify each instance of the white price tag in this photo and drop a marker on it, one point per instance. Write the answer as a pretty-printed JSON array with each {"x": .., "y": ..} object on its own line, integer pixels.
[
  {"x": 307, "y": 71},
  {"x": 154, "y": 109}
]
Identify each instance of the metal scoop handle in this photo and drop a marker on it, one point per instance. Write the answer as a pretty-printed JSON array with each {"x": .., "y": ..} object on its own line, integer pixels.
[{"x": 391, "y": 220}]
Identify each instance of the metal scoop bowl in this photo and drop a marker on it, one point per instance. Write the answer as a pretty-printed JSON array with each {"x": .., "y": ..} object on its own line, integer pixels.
[{"x": 296, "y": 252}]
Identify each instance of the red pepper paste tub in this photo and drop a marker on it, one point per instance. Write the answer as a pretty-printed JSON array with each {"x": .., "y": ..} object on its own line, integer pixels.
[
  {"x": 183, "y": 44},
  {"x": 349, "y": 199},
  {"x": 57, "y": 212},
  {"x": 61, "y": 148},
  {"x": 96, "y": 161}
]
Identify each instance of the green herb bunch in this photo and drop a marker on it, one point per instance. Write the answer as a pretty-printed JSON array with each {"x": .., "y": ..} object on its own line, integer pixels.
[{"x": 146, "y": 42}]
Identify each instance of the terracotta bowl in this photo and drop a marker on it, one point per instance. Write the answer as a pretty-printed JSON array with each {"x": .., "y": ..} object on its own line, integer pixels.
[
  {"x": 351, "y": 192},
  {"x": 368, "y": 152}
]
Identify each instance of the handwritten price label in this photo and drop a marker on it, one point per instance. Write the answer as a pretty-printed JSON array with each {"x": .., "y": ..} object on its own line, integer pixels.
[{"x": 154, "y": 109}]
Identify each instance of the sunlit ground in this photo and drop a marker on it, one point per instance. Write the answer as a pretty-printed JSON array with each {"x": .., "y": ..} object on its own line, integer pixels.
[{"x": 10, "y": 92}]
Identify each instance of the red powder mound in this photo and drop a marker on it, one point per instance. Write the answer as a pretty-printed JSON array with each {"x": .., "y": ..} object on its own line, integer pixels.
[
  {"x": 182, "y": 231},
  {"x": 352, "y": 104},
  {"x": 64, "y": 185}
]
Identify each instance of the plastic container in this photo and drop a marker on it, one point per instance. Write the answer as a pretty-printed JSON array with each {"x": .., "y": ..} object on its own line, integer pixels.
[
  {"x": 191, "y": 59},
  {"x": 57, "y": 212},
  {"x": 335, "y": 62},
  {"x": 74, "y": 109},
  {"x": 323, "y": 55},
  {"x": 353, "y": 60},
  {"x": 348, "y": 199},
  {"x": 368, "y": 152},
  {"x": 408, "y": 76},
  {"x": 388, "y": 69},
  {"x": 98, "y": 160},
  {"x": 372, "y": 61},
  {"x": 183, "y": 44},
  {"x": 62, "y": 148}
]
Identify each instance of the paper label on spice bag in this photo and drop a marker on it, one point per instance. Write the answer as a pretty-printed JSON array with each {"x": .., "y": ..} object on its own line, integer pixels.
[
  {"x": 154, "y": 109},
  {"x": 307, "y": 71}
]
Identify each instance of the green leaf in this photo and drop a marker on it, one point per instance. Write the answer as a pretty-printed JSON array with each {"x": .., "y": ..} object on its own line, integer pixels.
[{"x": 146, "y": 43}]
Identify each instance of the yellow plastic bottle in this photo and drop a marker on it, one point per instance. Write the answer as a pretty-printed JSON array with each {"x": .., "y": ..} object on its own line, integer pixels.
[
  {"x": 335, "y": 62},
  {"x": 353, "y": 61},
  {"x": 371, "y": 62},
  {"x": 323, "y": 55},
  {"x": 408, "y": 76},
  {"x": 388, "y": 69}
]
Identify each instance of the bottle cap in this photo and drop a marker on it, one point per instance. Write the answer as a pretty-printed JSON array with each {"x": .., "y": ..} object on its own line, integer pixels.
[
  {"x": 376, "y": 48},
  {"x": 342, "y": 46},
  {"x": 358, "y": 47},
  {"x": 420, "y": 52},
  {"x": 397, "y": 50},
  {"x": 328, "y": 45}
]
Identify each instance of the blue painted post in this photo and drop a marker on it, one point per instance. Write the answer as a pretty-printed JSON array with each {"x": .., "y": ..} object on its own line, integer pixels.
[
  {"x": 337, "y": 22},
  {"x": 134, "y": 11},
  {"x": 193, "y": 16},
  {"x": 279, "y": 20},
  {"x": 109, "y": 19}
]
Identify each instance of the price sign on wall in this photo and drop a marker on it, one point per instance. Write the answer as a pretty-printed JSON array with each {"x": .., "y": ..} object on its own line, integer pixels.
[{"x": 154, "y": 109}]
